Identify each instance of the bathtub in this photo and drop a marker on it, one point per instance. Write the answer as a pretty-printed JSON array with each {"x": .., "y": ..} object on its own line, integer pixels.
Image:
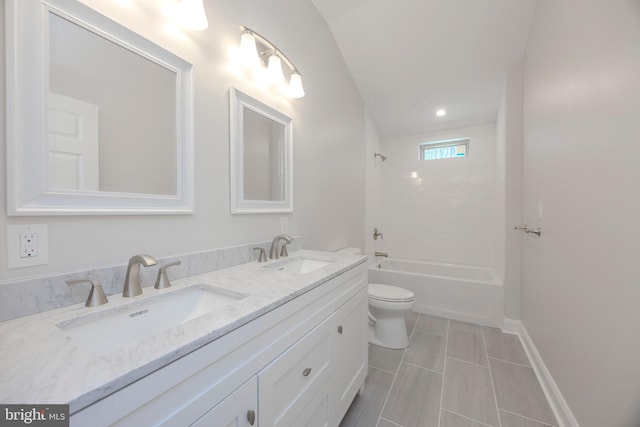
[{"x": 461, "y": 292}]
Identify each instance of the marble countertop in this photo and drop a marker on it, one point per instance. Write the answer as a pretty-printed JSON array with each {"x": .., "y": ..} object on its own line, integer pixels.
[{"x": 41, "y": 364}]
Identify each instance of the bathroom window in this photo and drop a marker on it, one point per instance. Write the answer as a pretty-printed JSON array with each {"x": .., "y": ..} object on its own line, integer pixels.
[{"x": 444, "y": 149}]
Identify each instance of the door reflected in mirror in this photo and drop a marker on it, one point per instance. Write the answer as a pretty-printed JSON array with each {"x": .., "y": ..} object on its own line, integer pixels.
[{"x": 261, "y": 169}]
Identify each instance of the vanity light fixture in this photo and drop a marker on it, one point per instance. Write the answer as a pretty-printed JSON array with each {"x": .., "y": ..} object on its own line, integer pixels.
[
  {"x": 265, "y": 59},
  {"x": 189, "y": 14}
]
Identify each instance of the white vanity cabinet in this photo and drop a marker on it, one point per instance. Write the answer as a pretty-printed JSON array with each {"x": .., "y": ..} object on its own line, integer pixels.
[{"x": 300, "y": 364}]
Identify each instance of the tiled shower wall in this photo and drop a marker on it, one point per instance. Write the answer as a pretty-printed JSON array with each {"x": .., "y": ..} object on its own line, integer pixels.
[{"x": 442, "y": 210}]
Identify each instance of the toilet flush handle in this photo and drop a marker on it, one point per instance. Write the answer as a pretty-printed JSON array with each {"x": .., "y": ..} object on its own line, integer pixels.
[{"x": 373, "y": 319}]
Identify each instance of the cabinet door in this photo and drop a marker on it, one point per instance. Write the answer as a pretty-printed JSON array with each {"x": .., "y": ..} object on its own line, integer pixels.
[
  {"x": 288, "y": 384},
  {"x": 350, "y": 352},
  {"x": 239, "y": 409},
  {"x": 316, "y": 413}
]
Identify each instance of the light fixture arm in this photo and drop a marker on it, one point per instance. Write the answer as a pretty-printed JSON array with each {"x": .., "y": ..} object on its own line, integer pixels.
[{"x": 271, "y": 47}]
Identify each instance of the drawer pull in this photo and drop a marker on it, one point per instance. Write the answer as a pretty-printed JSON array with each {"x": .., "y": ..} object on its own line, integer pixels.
[
  {"x": 340, "y": 329},
  {"x": 306, "y": 372},
  {"x": 251, "y": 416}
]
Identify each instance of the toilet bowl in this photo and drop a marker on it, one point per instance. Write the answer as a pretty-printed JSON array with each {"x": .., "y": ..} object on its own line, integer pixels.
[{"x": 388, "y": 306}]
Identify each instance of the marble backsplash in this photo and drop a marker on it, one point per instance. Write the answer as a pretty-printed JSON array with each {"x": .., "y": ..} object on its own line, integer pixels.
[{"x": 20, "y": 298}]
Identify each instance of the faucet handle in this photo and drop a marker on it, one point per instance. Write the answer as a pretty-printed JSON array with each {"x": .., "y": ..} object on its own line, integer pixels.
[
  {"x": 283, "y": 251},
  {"x": 262, "y": 257},
  {"x": 377, "y": 234},
  {"x": 162, "y": 281},
  {"x": 96, "y": 294}
]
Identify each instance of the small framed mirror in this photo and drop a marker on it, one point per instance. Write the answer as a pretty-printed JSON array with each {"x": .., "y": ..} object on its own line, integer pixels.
[
  {"x": 261, "y": 157},
  {"x": 99, "y": 119}
]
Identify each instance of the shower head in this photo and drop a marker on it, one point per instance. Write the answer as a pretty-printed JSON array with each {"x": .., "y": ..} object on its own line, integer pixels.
[{"x": 383, "y": 158}]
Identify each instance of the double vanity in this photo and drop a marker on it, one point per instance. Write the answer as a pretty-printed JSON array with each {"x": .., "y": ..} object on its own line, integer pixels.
[{"x": 279, "y": 343}]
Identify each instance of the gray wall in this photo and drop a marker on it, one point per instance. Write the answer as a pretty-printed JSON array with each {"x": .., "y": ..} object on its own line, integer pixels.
[{"x": 581, "y": 290}]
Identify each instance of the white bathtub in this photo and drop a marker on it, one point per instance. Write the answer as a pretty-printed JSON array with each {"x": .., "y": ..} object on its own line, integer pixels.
[{"x": 461, "y": 292}]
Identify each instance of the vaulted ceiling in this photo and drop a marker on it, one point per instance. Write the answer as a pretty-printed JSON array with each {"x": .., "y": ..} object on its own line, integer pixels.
[{"x": 410, "y": 58}]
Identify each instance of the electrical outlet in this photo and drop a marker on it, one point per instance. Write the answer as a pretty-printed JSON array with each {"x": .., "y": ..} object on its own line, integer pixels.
[{"x": 27, "y": 245}]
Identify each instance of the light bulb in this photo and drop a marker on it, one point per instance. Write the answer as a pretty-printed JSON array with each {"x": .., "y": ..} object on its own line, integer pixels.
[
  {"x": 441, "y": 112},
  {"x": 295, "y": 86},
  {"x": 248, "y": 51},
  {"x": 274, "y": 70},
  {"x": 192, "y": 14}
]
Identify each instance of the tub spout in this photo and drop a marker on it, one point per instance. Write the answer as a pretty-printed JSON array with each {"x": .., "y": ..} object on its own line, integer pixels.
[{"x": 384, "y": 254}]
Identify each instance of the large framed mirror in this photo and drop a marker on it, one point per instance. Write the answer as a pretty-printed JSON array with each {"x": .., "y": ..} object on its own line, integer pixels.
[
  {"x": 261, "y": 157},
  {"x": 99, "y": 119}
]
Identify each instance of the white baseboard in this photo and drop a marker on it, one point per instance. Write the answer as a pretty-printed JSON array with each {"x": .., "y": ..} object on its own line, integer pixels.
[{"x": 559, "y": 406}]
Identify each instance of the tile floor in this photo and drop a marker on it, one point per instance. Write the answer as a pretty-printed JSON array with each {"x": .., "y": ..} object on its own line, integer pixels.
[{"x": 453, "y": 374}]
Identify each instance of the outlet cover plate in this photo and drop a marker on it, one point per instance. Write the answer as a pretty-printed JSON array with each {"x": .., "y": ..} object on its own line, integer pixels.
[{"x": 13, "y": 245}]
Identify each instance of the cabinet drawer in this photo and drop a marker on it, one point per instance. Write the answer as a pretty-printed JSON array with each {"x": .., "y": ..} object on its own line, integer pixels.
[{"x": 287, "y": 385}]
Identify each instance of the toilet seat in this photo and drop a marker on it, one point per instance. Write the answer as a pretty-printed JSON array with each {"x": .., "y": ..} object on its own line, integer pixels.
[{"x": 389, "y": 293}]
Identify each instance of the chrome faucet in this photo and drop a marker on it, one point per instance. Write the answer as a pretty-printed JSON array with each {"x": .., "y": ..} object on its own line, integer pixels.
[
  {"x": 273, "y": 253},
  {"x": 384, "y": 254},
  {"x": 132, "y": 285}
]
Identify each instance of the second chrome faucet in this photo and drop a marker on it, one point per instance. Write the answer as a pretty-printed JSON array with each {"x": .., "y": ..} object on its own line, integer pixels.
[
  {"x": 273, "y": 253},
  {"x": 132, "y": 284}
]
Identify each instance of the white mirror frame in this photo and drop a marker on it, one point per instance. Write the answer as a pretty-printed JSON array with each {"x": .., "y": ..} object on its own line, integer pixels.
[
  {"x": 240, "y": 101},
  {"x": 27, "y": 95}
]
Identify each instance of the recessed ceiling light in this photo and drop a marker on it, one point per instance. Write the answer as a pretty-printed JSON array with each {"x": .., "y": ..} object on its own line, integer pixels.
[{"x": 441, "y": 112}]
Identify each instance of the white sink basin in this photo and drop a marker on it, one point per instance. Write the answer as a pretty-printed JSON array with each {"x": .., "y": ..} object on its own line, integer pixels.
[
  {"x": 301, "y": 265},
  {"x": 109, "y": 330}
]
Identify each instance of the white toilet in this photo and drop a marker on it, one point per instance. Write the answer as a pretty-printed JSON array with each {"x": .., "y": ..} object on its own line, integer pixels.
[{"x": 388, "y": 306}]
